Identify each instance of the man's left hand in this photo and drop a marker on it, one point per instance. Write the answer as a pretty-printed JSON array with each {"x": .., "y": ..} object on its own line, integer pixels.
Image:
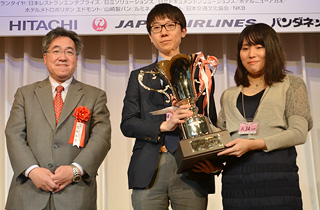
[{"x": 63, "y": 177}]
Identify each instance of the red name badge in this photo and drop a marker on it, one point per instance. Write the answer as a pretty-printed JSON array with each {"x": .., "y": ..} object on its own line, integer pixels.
[{"x": 248, "y": 128}]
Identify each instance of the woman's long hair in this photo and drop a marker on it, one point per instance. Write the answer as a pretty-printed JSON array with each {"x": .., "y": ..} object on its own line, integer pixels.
[{"x": 274, "y": 69}]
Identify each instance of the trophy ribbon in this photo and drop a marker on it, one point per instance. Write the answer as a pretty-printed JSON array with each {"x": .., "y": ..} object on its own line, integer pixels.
[{"x": 205, "y": 76}]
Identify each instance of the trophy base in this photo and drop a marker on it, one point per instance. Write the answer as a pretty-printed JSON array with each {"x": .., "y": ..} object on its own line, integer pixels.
[{"x": 206, "y": 147}]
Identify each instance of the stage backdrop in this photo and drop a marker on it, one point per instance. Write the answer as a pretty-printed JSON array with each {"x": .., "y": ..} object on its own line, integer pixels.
[
  {"x": 100, "y": 17},
  {"x": 106, "y": 62},
  {"x": 115, "y": 40}
]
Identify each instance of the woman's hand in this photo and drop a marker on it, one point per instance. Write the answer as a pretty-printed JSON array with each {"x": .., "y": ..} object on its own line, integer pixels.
[{"x": 239, "y": 147}]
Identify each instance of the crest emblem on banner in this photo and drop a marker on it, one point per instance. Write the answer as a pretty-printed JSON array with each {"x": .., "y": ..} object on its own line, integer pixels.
[{"x": 99, "y": 24}]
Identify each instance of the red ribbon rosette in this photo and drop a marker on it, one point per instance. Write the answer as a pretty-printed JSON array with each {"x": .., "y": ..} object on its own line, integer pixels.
[{"x": 82, "y": 115}]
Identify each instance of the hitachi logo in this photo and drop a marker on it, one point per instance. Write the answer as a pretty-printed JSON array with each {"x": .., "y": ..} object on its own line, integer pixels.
[{"x": 35, "y": 25}]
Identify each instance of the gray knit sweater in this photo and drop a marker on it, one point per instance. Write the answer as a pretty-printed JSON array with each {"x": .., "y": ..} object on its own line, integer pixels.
[{"x": 283, "y": 115}]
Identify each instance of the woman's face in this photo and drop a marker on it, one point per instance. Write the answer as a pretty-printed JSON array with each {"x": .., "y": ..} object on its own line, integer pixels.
[{"x": 253, "y": 58}]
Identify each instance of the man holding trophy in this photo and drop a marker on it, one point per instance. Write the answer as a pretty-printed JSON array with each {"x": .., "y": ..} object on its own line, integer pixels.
[{"x": 152, "y": 173}]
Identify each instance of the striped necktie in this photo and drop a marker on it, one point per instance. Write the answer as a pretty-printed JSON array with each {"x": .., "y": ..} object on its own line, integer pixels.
[{"x": 58, "y": 102}]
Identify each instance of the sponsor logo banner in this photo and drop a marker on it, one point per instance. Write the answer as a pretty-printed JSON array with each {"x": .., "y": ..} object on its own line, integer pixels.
[{"x": 96, "y": 17}]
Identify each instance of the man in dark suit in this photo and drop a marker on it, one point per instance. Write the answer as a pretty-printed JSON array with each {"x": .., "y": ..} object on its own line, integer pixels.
[
  {"x": 58, "y": 134},
  {"x": 152, "y": 172}
]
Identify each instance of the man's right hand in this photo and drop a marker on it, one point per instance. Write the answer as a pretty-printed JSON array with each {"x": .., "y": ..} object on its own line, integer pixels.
[
  {"x": 41, "y": 178},
  {"x": 177, "y": 118}
]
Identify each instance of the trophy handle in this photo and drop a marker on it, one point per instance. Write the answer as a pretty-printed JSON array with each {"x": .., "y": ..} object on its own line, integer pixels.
[{"x": 163, "y": 91}]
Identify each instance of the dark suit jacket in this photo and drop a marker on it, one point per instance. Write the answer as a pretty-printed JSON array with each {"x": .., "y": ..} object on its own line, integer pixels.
[
  {"x": 137, "y": 122},
  {"x": 34, "y": 138}
]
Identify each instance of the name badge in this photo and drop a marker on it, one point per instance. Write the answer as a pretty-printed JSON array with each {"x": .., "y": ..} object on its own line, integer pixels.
[{"x": 248, "y": 128}]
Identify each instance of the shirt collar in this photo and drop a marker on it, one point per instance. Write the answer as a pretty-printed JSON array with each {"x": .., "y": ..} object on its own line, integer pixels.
[
  {"x": 160, "y": 58},
  {"x": 55, "y": 84}
]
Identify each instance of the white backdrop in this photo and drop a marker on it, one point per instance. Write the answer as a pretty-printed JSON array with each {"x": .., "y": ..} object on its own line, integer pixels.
[{"x": 106, "y": 62}]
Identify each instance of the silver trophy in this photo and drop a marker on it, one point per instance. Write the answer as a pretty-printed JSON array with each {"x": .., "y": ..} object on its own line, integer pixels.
[{"x": 201, "y": 139}]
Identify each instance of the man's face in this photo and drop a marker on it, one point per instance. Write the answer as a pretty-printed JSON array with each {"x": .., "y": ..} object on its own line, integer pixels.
[
  {"x": 167, "y": 42},
  {"x": 61, "y": 59}
]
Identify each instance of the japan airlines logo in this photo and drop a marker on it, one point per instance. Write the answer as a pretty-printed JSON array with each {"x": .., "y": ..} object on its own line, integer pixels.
[{"x": 99, "y": 24}]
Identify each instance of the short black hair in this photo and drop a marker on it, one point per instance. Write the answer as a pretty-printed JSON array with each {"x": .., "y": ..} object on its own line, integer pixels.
[{"x": 163, "y": 11}]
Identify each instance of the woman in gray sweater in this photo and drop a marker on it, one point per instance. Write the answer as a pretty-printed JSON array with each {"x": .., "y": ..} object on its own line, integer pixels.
[{"x": 267, "y": 114}]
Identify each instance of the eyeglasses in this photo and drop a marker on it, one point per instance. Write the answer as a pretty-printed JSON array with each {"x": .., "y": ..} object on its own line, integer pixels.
[
  {"x": 168, "y": 26},
  {"x": 67, "y": 52}
]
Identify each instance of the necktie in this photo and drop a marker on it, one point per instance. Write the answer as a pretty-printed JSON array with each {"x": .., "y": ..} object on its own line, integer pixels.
[
  {"x": 58, "y": 102},
  {"x": 171, "y": 142}
]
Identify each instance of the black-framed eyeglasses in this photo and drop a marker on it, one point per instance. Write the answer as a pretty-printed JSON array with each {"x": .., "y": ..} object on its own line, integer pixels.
[
  {"x": 157, "y": 28},
  {"x": 68, "y": 52}
]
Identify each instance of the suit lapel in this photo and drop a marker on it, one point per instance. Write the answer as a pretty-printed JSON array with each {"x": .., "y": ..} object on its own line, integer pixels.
[
  {"x": 72, "y": 99},
  {"x": 44, "y": 95}
]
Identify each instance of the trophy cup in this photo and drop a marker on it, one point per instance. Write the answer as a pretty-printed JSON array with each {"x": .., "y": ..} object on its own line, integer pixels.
[{"x": 201, "y": 139}]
